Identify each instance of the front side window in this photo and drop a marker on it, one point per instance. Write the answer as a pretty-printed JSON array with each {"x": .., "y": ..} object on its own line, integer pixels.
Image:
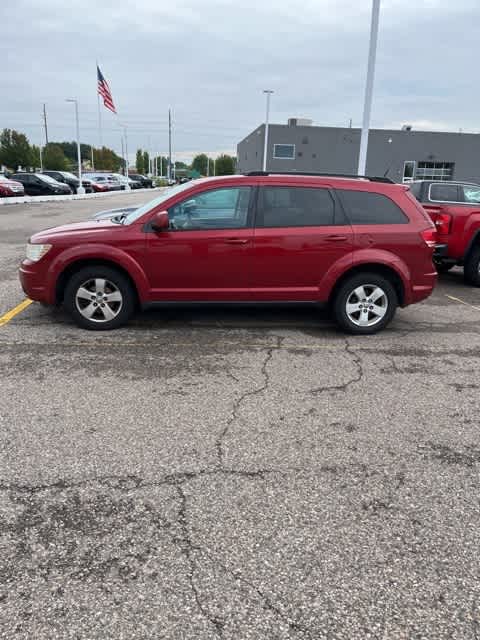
[
  {"x": 364, "y": 207},
  {"x": 217, "y": 209},
  {"x": 444, "y": 193},
  {"x": 471, "y": 193},
  {"x": 284, "y": 151},
  {"x": 294, "y": 207}
]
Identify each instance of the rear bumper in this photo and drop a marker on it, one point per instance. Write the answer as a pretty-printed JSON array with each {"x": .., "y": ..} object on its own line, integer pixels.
[
  {"x": 422, "y": 289},
  {"x": 440, "y": 252}
]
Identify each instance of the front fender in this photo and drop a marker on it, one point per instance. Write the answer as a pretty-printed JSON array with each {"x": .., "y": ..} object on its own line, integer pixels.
[
  {"x": 364, "y": 257},
  {"x": 101, "y": 252}
]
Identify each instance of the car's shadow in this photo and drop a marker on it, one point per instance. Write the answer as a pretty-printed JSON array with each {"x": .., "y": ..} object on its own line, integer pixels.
[{"x": 236, "y": 316}]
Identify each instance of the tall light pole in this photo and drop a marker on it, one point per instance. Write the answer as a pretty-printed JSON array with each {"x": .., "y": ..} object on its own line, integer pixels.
[
  {"x": 80, "y": 189},
  {"x": 367, "y": 109},
  {"x": 268, "y": 92}
]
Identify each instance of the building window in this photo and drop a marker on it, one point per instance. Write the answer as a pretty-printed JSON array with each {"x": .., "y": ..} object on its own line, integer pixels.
[
  {"x": 300, "y": 154},
  {"x": 305, "y": 140},
  {"x": 284, "y": 151},
  {"x": 442, "y": 171}
]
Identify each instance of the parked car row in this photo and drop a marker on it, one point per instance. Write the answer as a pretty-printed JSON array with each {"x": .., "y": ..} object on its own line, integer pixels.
[{"x": 49, "y": 182}]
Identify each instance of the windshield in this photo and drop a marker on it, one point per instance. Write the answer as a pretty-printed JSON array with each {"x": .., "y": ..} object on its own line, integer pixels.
[
  {"x": 67, "y": 174},
  {"x": 166, "y": 195},
  {"x": 3, "y": 178},
  {"x": 42, "y": 176}
]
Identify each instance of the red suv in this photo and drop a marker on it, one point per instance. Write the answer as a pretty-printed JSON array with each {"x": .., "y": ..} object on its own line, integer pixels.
[{"x": 363, "y": 246}]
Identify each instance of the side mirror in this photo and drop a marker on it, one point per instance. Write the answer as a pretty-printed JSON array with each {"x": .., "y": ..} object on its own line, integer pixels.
[{"x": 160, "y": 221}]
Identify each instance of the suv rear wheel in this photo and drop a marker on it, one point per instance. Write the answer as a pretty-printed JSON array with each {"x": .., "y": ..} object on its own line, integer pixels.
[
  {"x": 365, "y": 303},
  {"x": 99, "y": 298},
  {"x": 471, "y": 268}
]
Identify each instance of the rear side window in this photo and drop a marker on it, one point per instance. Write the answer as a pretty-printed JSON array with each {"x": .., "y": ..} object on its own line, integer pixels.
[
  {"x": 363, "y": 207},
  {"x": 294, "y": 207},
  {"x": 444, "y": 193}
]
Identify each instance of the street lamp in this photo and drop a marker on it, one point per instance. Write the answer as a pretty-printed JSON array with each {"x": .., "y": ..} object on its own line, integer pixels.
[
  {"x": 367, "y": 109},
  {"x": 127, "y": 185},
  {"x": 268, "y": 93},
  {"x": 80, "y": 189}
]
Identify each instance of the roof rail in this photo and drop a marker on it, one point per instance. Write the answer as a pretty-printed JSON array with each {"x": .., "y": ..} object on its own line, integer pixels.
[{"x": 322, "y": 175}]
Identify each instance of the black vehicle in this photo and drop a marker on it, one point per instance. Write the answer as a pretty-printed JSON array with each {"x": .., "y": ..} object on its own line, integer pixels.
[
  {"x": 69, "y": 179},
  {"x": 39, "y": 184},
  {"x": 145, "y": 181}
]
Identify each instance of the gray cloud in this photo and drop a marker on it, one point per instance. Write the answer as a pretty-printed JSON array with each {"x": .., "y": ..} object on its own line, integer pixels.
[{"x": 209, "y": 61}]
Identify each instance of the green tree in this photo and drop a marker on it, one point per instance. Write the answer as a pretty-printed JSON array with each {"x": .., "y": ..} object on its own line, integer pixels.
[
  {"x": 139, "y": 161},
  {"x": 35, "y": 157},
  {"x": 54, "y": 158},
  {"x": 146, "y": 162},
  {"x": 15, "y": 150},
  {"x": 162, "y": 165},
  {"x": 225, "y": 165},
  {"x": 199, "y": 163},
  {"x": 106, "y": 159}
]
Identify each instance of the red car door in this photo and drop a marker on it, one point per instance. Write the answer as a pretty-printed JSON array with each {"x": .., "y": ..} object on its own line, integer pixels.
[
  {"x": 206, "y": 253},
  {"x": 300, "y": 232}
]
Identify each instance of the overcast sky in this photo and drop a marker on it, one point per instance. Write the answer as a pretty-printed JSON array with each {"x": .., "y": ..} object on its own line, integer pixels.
[{"x": 209, "y": 61}]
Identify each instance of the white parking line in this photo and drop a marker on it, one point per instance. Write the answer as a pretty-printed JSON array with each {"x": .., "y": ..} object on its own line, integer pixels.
[{"x": 467, "y": 304}]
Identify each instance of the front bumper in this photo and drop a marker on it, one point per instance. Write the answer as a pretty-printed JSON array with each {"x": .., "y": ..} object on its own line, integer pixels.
[{"x": 33, "y": 281}]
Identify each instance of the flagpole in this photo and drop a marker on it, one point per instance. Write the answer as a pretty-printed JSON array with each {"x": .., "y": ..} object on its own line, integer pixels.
[{"x": 99, "y": 114}]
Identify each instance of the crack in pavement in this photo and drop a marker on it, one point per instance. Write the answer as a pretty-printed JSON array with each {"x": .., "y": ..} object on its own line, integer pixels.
[
  {"x": 236, "y": 406},
  {"x": 187, "y": 548},
  {"x": 343, "y": 387}
]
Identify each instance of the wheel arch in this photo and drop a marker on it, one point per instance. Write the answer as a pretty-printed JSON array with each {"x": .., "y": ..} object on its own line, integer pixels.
[
  {"x": 80, "y": 263},
  {"x": 372, "y": 267}
]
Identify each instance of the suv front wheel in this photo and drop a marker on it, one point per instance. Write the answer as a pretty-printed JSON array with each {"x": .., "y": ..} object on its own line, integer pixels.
[
  {"x": 365, "y": 303},
  {"x": 99, "y": 298}
]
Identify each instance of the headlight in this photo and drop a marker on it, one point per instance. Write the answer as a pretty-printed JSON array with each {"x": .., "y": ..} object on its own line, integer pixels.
[{"x": 37, "y": 251}]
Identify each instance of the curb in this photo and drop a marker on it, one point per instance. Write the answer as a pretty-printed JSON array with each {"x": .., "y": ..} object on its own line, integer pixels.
[{"x": 86, "y": 196}]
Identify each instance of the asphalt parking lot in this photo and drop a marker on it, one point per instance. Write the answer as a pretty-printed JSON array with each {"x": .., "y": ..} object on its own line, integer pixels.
[{"x": 247, "y": 474}]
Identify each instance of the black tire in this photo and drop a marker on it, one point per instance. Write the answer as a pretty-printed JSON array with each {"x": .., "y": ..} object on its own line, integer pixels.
[
  {"x": 117, "y": 283},
  {"x": 345, "y": 292},
  {"x": 471, "y": 268}
]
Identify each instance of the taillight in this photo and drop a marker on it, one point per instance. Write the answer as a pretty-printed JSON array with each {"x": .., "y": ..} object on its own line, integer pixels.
[
  {"x": 442, "y": 222},
  {"x": 430, "y": 236}
]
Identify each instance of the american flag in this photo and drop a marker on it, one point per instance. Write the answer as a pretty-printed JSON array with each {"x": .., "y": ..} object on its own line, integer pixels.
[{"x": 104, "y": 91}]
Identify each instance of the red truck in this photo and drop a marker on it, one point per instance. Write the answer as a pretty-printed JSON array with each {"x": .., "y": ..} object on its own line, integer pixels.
[{"x": 455, "y": 210}]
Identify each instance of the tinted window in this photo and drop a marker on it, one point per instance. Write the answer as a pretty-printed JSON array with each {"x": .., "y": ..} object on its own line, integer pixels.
[
  {"x": 363, "y": 207},
  {"x": 216, "y": 209},
  {"x": 294, "y": 207},
  {"x": 444, "y": 192},
  {"x": 471, "y": 193}
]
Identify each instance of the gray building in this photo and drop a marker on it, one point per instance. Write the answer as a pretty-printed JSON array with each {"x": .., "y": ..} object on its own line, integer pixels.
[{"x": 402, "y": 155}]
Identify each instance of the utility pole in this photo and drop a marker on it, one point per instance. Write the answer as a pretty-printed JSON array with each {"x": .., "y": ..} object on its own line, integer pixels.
[
  {"x": 80, "y": 189},
  {"x": 169, "y": 171},
  {"x": 127, "y": 185},
  {"x": 367, "y": 109},
  {"x": 45, "y": 123},
  {"x": 93, "y": 163}
]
